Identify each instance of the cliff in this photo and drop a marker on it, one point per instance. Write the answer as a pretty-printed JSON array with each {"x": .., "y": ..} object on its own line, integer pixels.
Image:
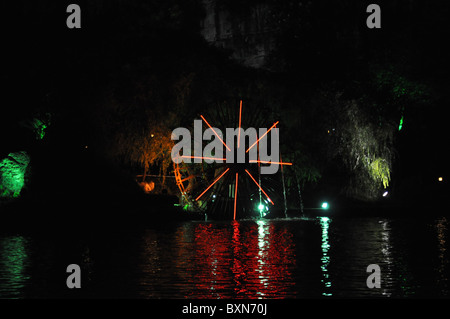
[{"x": 247, "y": 33}]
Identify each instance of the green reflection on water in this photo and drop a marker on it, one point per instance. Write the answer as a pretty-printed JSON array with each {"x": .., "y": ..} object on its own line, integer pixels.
[
  {"x": 13, "y": 261},
  {"x": 325, "y": 224}
]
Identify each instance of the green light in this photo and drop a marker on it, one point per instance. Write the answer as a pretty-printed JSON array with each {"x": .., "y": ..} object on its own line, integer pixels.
[
  {"x": 12, "y": 174},
  {"x": 40, "y": 124},
  {"x": 401, "y": 124},
  {"x": 263, "y": 209},
  {"x": 185, "y": 207},
  {"x": 325, "y": 205},
  {"x": 41, "y": 133}
]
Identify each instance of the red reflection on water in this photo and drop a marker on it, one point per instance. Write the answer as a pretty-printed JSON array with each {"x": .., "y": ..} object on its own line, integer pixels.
[{"x": 242, "y": 260}]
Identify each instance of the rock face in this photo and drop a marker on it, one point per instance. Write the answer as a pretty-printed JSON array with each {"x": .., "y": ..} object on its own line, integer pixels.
[
  {"x": 12, "y": 174},
  {"x": 248, "y": 35}
]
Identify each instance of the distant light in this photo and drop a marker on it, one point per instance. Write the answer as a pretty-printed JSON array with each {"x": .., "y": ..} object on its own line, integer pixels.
[
  {"x": 325, "y": 205},
  {"x": 440, "y": 179},
  {"x": 385, "y": 193},
  {"x": 262, "y": 207},
  {"x": 152, "y": 135}
]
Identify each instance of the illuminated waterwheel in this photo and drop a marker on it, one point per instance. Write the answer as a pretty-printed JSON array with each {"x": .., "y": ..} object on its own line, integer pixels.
[{"x": 224, "y": 190}]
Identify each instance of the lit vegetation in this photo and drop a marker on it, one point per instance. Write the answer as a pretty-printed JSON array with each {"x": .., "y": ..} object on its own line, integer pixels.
[
  {"x": 12, "y": 174},
  {"x": 379, "y": 171}
]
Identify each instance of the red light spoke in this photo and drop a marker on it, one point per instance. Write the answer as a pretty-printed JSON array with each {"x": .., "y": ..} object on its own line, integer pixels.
[
  {"x": 215, "y": 133},
  {"x": 262, "y": 136},
  {"x": 217, "y": 179},
  {"x": 235, "y": 196},
  {"x": 259, "y": 186},
  {"x": 269, "y": 162}
]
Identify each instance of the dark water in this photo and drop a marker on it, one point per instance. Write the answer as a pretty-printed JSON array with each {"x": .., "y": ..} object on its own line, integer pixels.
[{"x": 313, "y": 257}]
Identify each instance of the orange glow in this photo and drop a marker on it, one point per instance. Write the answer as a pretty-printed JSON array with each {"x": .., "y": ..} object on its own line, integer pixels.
[
  {"x": 239, "y": 134},
  {"x": 215, "y": 132},
  {"x": 268, "y": 162},
  {"x": 235, "y": 196},
  {"x": 212, "y": 184},
  {"x": 262, "y": 136},
  {"x": 259, "y": 186},
  {"x": 205, "y": 157}
]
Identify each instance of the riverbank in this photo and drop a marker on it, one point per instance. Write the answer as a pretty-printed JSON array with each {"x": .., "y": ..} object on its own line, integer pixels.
[
  {"x": 101, "y": 211},
  {"x": 136, "y": 209}
]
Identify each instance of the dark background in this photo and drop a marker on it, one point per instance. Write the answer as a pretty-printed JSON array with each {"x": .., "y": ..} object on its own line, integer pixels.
[{"x": 136, "y": 59}]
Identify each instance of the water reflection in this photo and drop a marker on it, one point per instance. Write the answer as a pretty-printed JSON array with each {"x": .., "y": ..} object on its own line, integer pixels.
[
  {"x": 260, "y": 262},
  {"x": 442, "y": 267},
  {"x": 252, "y": 259},
  {"x": 150, "y": 266},
  {"x": 325, "y": 259},
  {"x": 13, "y": 264},
  {"x": 397, "y": 261},
  {"x": 292, "y": 258},
  {"x": 386, "y": 250},
  {"x": 263, "y": 233}
]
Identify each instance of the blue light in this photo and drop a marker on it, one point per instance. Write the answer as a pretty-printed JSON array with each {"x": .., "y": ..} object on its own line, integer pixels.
[{"x": 325, "y": 205}]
